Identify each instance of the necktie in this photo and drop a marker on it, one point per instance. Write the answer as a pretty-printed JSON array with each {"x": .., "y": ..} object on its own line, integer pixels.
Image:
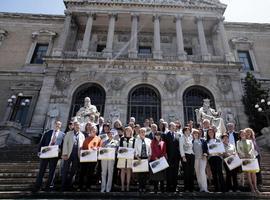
[{"x": 53, "y": 138}]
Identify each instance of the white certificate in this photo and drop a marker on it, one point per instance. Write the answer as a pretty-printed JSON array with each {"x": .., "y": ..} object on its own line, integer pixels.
[
  {"x": 250, "y": 165},
  {"x": 159, "y": 165},
  {"x": 233, "y": 161},
  {"x": 88, "y": 155},
  {"x": 125, "y": 153},
  {"x": 106, "y": 153},
  {"x": 216, "y": 148},
  {"x": 140, "y": 166},
  {"x": 49, "y": 151}
]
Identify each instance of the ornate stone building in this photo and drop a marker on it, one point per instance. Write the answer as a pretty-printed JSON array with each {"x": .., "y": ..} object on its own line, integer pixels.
[{"x": 142, "y": 58}]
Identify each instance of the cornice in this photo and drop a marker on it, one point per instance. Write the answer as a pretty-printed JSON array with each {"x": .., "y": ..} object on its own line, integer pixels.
[
  {"x": 186, "y": 4},
  {"x": 247, "y": 25},
  {"x": 31, "y": 16}
]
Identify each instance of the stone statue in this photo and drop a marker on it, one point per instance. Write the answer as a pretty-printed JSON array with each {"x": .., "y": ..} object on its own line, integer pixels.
[
  {"x": 84, "y": 113},
  {"x": 206, "y": 112},
  {"x": 229, "y": 116},
  {"x": 114, "y": 115},
  {"x": 52, "y": 116}
]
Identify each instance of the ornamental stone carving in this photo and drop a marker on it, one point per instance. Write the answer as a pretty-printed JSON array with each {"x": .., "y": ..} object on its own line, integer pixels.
[
  {"x": 224, "y": 83},
  {"x": 63, "y": 80},
  {"x": 117, "y": 83},
  {"x": 171, "y": 84}
]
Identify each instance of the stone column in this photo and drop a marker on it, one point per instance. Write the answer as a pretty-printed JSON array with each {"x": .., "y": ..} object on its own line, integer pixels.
[
  {"x": 157, "y": 53},
  {"x": 204, "y": 52},
  {"x": 87, "y": 36},
  {"x": 64, "y": 35},
  {"x": 227, "y": 51},
  {"x": 109, "y": 45},
  {"x": 181, "y": 54},
  {"x": 41, "y": 109},
  {"x": 133, "y": 51}
]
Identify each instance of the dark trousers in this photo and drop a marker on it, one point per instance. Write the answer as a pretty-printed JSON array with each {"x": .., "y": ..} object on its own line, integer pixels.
[
  {"x": 215, "y": 163},
  {"x": 231, "y": 178},
  {"x": 142, "y": 179},
  {"x": 188, "y": 168},
  {"x": 42, "y": 169},
  {"x": 155, "y": 183},
  {"x": 259, "y": 174},
  {"x": 172, "y": 175},
  {"x": 87, "y": 174},
  {"x": 70, "y": 169}
]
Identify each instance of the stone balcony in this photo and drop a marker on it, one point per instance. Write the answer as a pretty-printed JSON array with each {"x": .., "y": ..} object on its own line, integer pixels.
[{"x": 119, "y": 55}]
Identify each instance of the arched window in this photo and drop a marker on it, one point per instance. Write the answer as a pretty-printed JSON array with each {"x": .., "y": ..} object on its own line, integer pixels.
[
  {"x": 144, "y": 102},
  {"x": 193, "y": 99},
  {"x": 92, "y": 90}
]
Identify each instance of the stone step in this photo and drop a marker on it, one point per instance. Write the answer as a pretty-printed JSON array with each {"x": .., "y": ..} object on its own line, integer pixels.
[{"x": 132, "y": 195}]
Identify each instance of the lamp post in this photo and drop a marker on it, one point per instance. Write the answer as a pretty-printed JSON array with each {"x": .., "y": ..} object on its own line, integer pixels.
[
  {"x": 12, "y": 102},
  {"x": 263, "y": 107}
]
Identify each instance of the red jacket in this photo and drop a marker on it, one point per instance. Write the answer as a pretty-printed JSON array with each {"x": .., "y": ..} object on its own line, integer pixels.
[{"x": 158, "y": 149}]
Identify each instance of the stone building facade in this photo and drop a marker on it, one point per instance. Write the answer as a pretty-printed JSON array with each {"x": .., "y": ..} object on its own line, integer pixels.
[{"x": 139, "y": 58}]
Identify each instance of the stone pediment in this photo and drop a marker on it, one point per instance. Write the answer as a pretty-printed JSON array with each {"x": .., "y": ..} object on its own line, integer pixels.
[{"x": 182, "y": 3}]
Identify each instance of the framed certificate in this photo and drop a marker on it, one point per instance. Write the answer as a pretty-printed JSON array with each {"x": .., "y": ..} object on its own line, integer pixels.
[
  {"x": 216, "y": 148},
  {"x": 250, "y": 165},
  {"x": 140, "y": 166},
  {"x": 233, "y": 161},
  {"x": 49, "y": 151},
  {"x": 88, "y": 155},
  {"x": 125, "y": 153},
  {"x": 159, "y": 165},
  {"x": 106, "y": 153}
]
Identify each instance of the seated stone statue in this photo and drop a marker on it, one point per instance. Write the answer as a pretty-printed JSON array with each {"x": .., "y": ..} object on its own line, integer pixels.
[
  {"x": 205, "y": 112},
  {"x": 86, "y": 111}
]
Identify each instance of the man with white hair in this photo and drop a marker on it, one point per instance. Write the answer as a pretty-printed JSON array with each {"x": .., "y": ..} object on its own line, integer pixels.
[
  {"x": 233, "y": 136},
  {"x": 171, "y": 139}
]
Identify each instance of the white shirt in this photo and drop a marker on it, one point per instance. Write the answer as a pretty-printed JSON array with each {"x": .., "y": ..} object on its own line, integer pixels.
[
  {"x": 185, "y": 145},
  {"x": 231, "y": 139}
]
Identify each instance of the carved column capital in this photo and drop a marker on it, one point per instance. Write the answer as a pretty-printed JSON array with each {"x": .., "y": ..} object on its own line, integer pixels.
[
  {"x": 91, "y": 14},
  {"x": 178, "y": 17},
  {"x": 156, "y": 17},
  {"x": 198, "y": 18},
  {"x": 113, "y": 15},
  {"x": 68, "y": 13}
]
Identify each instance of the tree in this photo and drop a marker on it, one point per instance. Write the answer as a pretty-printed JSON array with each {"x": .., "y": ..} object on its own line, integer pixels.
[{"x": 253, "y": 93}]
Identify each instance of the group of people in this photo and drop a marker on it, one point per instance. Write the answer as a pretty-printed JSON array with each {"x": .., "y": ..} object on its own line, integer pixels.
[{"x": 186, "y": 150}]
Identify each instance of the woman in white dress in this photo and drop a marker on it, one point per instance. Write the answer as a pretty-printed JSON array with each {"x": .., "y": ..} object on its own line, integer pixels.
[{"x": 126, "y": 164}]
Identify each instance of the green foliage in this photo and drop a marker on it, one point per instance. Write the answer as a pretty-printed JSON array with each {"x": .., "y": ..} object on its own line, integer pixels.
[{"x": 253, "y": 93}]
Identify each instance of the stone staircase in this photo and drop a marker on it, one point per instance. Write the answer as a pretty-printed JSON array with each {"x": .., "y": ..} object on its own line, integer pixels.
[{"x": 19, "y": 167}]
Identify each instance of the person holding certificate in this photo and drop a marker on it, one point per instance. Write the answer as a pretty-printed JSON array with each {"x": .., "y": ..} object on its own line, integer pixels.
[
  {"x": 231, "y": 175},
  {"x": 215, "y": 161},
  {"x": 188, "y": 159},
  {"x": 107, "y": 166},
  {"x": 126, "y": 164},
  {"x": 50, "y": 138},
  {"x": 142, "y": 151},
  {"x": 200, "y": 150},
  {"x": 158, "y": 148},
  {"x": 87, "y": 170},
  {"x": 246, "y": 150},
  {"x": 251, "y": 136},
  {"x": 73, "y": 142}
]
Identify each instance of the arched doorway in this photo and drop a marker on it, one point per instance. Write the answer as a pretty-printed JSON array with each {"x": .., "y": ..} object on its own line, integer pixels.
[
  {"x": 92, "y": 90},
  {"x": 193, "y": 99},
  {"x": 144, "y": 102}
]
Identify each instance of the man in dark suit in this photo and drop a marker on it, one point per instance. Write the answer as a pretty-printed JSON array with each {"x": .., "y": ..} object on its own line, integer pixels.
[
  {"x": 172, "y": 143},
  {"x": 151, "y": 135},
  {"x": 50, "y": 138},
  {"x": 100, "y": 125},
  {"x": 233, "y": 135}
]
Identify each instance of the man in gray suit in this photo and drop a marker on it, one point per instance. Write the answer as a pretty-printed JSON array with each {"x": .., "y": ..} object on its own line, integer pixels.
[
  {"x": 71, "y": 148},
  {"x": 50, "y": 138}
]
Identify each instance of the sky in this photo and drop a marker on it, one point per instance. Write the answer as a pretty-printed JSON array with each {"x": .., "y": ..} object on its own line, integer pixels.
[{"x": 256, "y": 11}]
